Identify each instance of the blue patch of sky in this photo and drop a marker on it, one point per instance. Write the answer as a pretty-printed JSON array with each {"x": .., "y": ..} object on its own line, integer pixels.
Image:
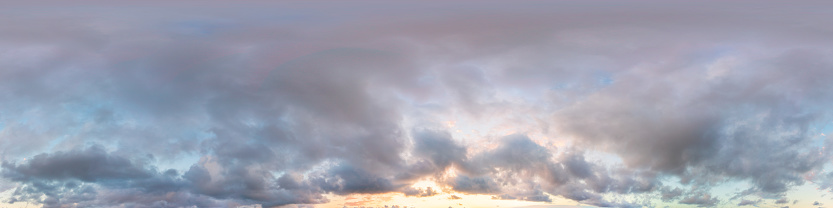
[
  {"x": 181, "y": 164},
  {"x": 81, "y": 113},
  {"x": 183, "y": 161},
  {"x": 603, "y": 78},
  {"x": 821, "y": 131},
  {"x": 24, "y": 120},
  {"x": 54, "y": 142}
]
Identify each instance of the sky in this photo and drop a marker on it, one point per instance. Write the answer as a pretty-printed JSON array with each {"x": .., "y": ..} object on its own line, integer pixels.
[{"x": 528, "y": 104}]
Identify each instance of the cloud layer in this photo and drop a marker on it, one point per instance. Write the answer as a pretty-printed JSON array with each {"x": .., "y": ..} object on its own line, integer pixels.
[{"x": 607, "y": 104}]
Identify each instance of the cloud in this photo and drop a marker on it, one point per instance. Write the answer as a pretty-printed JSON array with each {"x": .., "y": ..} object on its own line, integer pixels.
[
  {"x": 419, "y": 192},
  {"x": 699, "y": 137},
  {"x": 528, "y": 170},
  {"x": 503, "y": 197},
  {"x": 87, "y": 165},
  {"x": 701, "y": 200},
  {"x": 284, "y": 103},
  {"x": 479, "y": 185},
  {"x": 782, "y": 201},
  {"x": 346, "y": 179},
  {"x": 745, "y": 202},
  {"x": 535, "y": 198},
  {"x": 437, "y": 152},
  {"x": 94, "y": 177},
  {"x": 669, "y": 194}
]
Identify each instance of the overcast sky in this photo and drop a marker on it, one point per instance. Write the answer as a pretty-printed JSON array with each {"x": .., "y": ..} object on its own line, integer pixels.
[{"x": 416, "y": 104}]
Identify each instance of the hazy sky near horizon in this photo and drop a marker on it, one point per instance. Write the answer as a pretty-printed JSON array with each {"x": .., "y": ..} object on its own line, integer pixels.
[{"x": 418, "y": 104}]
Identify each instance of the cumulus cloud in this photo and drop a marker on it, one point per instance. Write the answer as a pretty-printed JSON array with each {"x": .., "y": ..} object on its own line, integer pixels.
[
  {"x": 92, "y": 177},
  {"x": 528, "y": 170}
]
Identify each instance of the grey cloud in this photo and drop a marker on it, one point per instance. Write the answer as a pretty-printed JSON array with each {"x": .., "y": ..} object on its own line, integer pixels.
[
  {"x": 669, "y": 194},
  {"x": 782, "y": 201},
  {"x": 701, "y": 200},
  {"x": 439, "y": 148},
  {"x": 504, "y": 197},
  {"x": 173, "y": 88},
  {"x": 345, "y": 179},
  {"x": 91, "y": 177},
  {"x": 535, "y": 196},
  {"x": 419, "y": 192},
  {"x": 437, "y": 151},
  {"x": 518, "y": 162},
  {"x": 516, "y": 152},
  {"x": 538, "y": 198},
  {"x": 745, "y": 202},
  {"x": 89, "y": 165},
  {"x": 476, "y": 185},
  {"x": 715, "y": 129}
]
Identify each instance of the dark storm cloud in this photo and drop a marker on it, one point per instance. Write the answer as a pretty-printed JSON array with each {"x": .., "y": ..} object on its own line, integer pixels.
[{"x": 283, "y": 103}]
